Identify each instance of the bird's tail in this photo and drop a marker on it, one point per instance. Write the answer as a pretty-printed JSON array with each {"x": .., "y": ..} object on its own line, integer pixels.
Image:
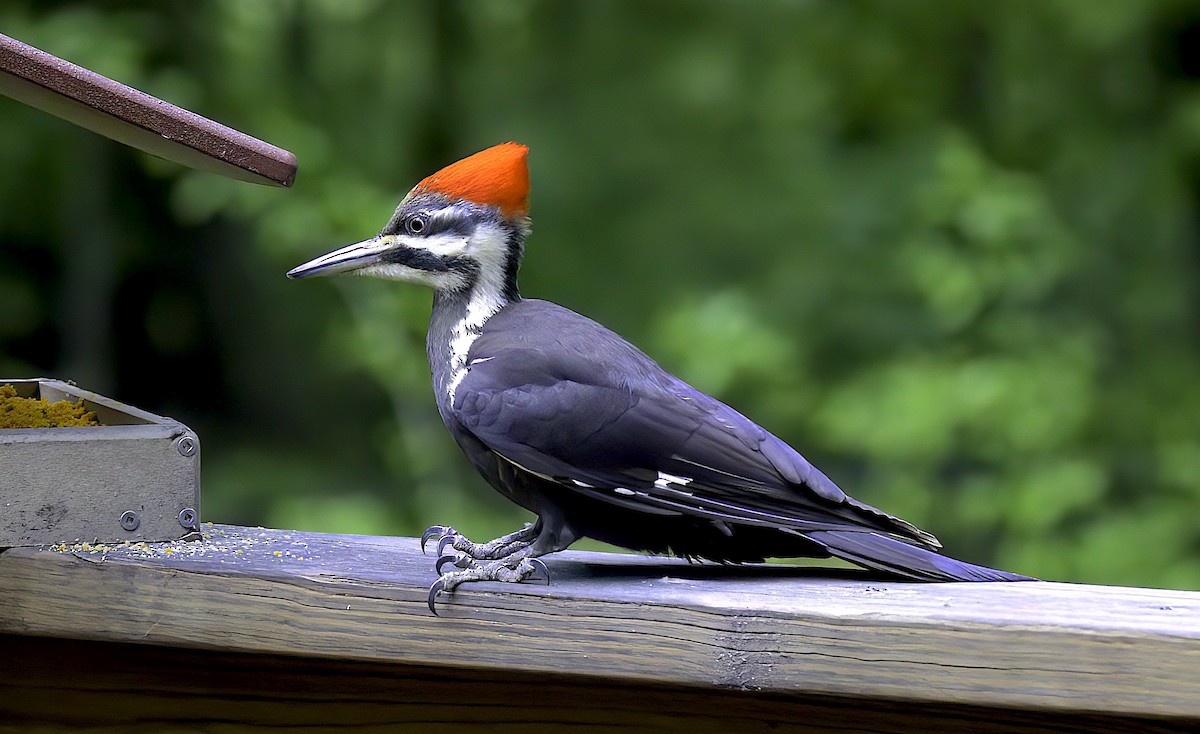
[{"x": 882, "y": 553}]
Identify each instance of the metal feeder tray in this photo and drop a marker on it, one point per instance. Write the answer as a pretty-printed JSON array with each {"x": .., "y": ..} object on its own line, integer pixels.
[{"x": 135, "y": 478}]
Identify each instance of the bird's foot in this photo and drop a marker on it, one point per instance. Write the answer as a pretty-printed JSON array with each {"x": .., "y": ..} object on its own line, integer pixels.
[
  {"x": 508, "y": 558},
  {"x": 511, "y": 570},
  {"x": 501, "y": 547}
]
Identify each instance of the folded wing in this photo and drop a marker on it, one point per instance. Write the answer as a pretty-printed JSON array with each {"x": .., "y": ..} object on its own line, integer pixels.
[{"x": 659, "y": 447}]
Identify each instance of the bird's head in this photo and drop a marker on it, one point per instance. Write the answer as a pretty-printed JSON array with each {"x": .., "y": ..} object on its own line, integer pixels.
[{"x": 461, "y": 229}]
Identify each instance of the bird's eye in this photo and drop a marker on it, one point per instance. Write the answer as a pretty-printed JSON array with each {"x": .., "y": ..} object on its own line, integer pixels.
[{"x": 416, "y": 224}]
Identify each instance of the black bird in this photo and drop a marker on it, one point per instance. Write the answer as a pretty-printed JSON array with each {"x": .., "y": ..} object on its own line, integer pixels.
[{"x": 577, "y": 425}]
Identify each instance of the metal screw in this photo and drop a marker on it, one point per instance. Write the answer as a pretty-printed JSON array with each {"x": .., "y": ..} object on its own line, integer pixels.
[
  {"x": 187, "y": 518},
  {"x": 130, "y": 520},
  {"x": 186, "y": 446}
]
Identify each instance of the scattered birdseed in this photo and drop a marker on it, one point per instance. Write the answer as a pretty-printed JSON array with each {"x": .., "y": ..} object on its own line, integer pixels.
[{"x": 217, "y": 544}]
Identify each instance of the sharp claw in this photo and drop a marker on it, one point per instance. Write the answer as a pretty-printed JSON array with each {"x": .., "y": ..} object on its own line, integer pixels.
[
  {"x": 433, "y": 592},
  {"x": 443, "y": 560},
  {"x": 539, "y": 567},
  {"x": 445, "y": 541},
  {"x": 430, "y": 533}
]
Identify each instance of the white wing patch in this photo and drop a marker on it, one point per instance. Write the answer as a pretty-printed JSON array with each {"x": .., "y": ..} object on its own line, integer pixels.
[{"x": 665, "y": 479}]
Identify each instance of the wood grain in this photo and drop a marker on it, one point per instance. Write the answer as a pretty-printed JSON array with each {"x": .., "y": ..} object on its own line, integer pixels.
[
  {"x": 50, "y": 685},
  {"x": 779, "y": 630}
]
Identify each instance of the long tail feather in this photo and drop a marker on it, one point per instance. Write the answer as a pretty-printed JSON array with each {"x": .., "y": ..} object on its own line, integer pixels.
[{"x": 893, "y": 556}]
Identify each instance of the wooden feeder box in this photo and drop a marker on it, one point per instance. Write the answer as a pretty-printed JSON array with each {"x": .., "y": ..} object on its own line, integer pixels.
[{"x": 136, "y": 477}]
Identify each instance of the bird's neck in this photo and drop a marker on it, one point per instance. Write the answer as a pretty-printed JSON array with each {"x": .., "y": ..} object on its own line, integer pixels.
[
  {"x": 459, "y": 315},
  {"x": 457, "y": 320}
]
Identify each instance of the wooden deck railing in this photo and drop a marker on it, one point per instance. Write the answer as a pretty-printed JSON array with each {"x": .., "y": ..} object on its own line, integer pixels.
[{"x": 273, "y": 629}]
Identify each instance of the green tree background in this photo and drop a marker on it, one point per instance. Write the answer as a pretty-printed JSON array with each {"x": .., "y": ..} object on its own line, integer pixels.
[{"x": 949, "y": 250}]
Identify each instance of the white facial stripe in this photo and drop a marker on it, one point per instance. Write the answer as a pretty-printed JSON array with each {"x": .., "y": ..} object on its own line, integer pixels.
[
  {"x": 489, "y": 246},
  {"x": 444, "y": 245}
]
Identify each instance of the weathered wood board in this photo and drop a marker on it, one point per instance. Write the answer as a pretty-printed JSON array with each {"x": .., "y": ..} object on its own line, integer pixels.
[
  {"x": 776, "y": 630},
  {"x": 51, "y": 685},
  {"x": 68, "y": 484}
]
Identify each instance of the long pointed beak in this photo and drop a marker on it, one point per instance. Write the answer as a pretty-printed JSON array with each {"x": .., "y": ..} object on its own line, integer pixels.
[{"x": 350, "y": 257}]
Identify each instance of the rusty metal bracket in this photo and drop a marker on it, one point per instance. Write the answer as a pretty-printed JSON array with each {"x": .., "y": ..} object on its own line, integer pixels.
[{"x": 137, "y": 119}]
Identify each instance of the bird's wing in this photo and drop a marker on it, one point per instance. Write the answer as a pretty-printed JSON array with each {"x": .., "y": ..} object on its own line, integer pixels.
[{"x": 650, "y": 443}]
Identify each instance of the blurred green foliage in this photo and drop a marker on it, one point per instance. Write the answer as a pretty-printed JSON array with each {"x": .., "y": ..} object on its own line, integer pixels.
[{"x": 949, "y": 250}]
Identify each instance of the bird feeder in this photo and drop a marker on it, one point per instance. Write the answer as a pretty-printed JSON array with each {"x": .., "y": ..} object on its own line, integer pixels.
[{"x": 134, "y": 477}]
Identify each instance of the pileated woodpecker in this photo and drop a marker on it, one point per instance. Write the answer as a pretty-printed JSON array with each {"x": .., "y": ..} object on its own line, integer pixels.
[{"x": 577, "y": 425}]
